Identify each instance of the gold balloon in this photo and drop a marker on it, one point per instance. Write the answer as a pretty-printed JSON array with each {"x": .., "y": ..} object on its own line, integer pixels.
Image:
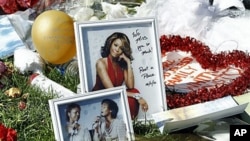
[{"x": 53, "y": 36}]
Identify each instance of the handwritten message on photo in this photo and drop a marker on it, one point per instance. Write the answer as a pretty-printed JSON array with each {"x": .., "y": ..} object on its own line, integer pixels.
[{"x": 140, "y": 51}]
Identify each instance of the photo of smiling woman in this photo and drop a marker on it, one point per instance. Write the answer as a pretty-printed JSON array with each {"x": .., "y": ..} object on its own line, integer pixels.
[
  {"x": 115, "y": 69},
  {"x": 107, "y": 127}
]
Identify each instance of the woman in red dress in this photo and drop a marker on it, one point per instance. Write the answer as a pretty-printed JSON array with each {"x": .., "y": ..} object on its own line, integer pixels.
[{"x": 114, "y": 69}]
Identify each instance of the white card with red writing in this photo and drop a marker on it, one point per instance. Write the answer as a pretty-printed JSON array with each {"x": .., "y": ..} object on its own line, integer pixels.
[{"x": 182, "y": 73}]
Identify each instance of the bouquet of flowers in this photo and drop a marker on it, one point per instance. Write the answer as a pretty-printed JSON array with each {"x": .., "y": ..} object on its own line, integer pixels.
[{"x": 12, "y": 6}]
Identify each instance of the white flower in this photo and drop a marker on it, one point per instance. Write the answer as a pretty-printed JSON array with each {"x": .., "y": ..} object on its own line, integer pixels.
[
  {"x": 114, "y": 11},
  {"x": 147, "y": 8},
  {"x": 81, "y": 13},
  {"x": 87, "y": 3},
  {"x": 94, "y": 18}
]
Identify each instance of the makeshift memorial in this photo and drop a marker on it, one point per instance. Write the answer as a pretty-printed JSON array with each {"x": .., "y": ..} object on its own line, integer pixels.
[
  {"x": 48, "y": 85},
  {"x": 53, "y": 36},
  {"x": 199, "y": 75},
  {"x": 144, "y": 11}
]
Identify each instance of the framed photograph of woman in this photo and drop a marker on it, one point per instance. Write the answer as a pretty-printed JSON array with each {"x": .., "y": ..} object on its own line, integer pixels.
[
  {"x": 123, "y": 52},
  {"x": 96, "y": 116}
]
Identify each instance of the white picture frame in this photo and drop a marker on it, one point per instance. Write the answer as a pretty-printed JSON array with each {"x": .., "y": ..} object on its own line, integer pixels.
[
  {"x": 147, "y": 64},
  {"x": 90, "y": 105}
]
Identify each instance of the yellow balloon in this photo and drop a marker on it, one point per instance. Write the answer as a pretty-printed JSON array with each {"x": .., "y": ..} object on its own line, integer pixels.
[{"x": 53, "y": 36}]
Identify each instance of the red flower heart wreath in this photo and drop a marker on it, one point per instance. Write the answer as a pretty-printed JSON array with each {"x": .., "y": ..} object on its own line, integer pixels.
[{"x": 211, "y": 61}]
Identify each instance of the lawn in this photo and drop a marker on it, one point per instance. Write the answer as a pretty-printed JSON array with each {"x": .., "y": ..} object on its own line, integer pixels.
[{"x": 32, "y": 120}]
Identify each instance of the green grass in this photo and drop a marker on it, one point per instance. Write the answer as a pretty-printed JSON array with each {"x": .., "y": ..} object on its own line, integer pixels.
[{"x": 34, "y": 123}]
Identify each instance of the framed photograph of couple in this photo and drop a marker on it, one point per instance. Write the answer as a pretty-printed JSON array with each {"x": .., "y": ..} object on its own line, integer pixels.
[
  {"x": 119, "y": 52},
  {"x": 98, "y": 115}
]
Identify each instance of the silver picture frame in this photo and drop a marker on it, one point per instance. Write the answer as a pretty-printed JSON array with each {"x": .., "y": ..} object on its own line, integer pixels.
[
  {"x": 90, "y": 108},
  {"x": 147, "y": 64}
]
